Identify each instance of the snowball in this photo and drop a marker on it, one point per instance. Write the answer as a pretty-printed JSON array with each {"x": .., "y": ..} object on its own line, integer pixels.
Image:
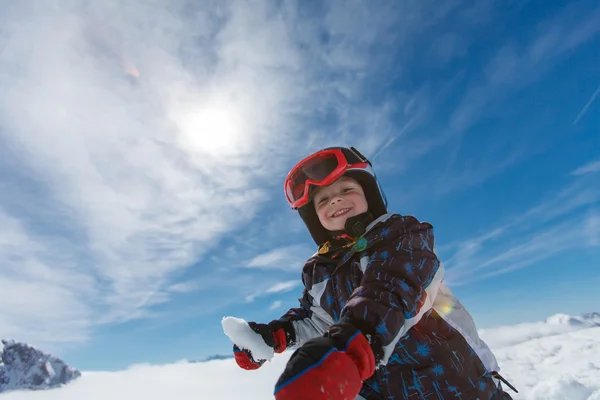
[{"x": 244, "y": 337}]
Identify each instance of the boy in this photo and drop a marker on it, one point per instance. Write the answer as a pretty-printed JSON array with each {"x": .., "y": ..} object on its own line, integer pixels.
[{"x": 376, "y": 321}]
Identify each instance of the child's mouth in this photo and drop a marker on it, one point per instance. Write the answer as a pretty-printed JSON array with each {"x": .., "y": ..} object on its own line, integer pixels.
[{"x": 339, "y": 213}]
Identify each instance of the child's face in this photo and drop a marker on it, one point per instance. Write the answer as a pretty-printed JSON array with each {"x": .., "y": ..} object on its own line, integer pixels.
[{"x": 339, "y": 201}]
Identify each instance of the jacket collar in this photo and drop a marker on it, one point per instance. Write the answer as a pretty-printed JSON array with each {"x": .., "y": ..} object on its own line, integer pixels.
[{"x": 342, "y": 245}]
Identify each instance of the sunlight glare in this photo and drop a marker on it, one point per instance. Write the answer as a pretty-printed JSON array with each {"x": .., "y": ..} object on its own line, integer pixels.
[{"x": 212, "y": 130}]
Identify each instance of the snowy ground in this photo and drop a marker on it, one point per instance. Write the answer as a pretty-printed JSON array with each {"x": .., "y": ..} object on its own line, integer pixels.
[
  {"x": 561, "y": 366},
  {"x": 558, "y": 359}
]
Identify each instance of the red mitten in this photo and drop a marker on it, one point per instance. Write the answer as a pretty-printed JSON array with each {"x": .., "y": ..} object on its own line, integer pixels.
[
  {"x": 244, "y": 359},
  {"x": 276, "y": 334},
  {"x": 326, "y": 368}
]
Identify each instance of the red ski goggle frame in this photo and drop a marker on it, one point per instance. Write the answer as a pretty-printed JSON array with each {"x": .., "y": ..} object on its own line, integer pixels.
[{"x": 320, "y": 169}]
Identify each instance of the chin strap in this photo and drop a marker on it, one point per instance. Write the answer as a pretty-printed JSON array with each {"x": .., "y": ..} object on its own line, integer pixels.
[{"x": 356, "y": 226}]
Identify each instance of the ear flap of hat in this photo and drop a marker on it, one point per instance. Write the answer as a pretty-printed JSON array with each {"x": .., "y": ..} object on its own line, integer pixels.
[
  {"x": 308, "y": 214},
  {"x": 373, "y": 192}
]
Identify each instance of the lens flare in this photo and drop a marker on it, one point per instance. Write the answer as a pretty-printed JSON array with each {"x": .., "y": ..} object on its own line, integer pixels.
[
  {"x": 446, "y": 306},
  {"x": 131, "y": 70}
]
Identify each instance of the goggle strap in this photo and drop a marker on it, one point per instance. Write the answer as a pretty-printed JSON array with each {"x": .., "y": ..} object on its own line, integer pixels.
[
  {"x": 360, "y": 156},
  {"x": 352, "y": 156}
]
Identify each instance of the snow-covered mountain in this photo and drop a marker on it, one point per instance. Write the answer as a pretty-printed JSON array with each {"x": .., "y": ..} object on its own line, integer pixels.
[
  {"x": 25, "y": 367},
  {"x": 581, "y": 321},
  {"x": 218, "y": 357},
  {"x": 558, "y": 324}
]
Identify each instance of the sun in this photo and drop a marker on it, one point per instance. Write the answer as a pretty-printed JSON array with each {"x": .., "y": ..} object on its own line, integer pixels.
[{"x": 210, "y": 130}]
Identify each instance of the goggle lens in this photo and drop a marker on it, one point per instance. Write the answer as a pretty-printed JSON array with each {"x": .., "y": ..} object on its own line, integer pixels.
[{"x": 315, "y": 169}]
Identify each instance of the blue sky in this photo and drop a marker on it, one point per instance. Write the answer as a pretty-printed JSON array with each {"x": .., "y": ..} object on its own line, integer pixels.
[{"x": 143, "y": 150}]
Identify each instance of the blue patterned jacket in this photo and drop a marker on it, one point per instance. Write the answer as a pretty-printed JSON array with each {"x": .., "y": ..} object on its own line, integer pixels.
[{"x": 391, "y": 282}]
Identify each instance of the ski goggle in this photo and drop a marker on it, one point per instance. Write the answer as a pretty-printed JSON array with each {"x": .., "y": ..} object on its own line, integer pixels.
[{"x": 320, "y": 169}]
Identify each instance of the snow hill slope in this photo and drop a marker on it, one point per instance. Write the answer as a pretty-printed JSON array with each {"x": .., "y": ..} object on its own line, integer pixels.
[
  {"x": 565, "y": 366},
  {"x": 556, "y": 359}
]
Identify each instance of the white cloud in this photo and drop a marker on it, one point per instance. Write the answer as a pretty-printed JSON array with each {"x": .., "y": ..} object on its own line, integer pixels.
[
  {"x": 183, "y": 287},
  {"x": 41, "y": 288},
  {"x": 289, "y": 257},
  {"x": 143, "y": 131},
  {"x": 282, "y": 287},
  {"x": 275, "y": 305},
  {"x": 279, "y": 287},
  {"x": 148, "y": 132},
  {"x": 147, "y": 128},
  {"x": 152, "y": 169}
]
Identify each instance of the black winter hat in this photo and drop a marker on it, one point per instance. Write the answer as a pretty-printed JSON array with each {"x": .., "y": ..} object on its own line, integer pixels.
[{"x": 374, "y": 195}]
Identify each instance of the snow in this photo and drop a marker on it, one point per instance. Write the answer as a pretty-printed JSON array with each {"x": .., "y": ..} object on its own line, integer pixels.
[
  {"x": 514, "y": 335},
  {"x": 241, "y": 334},
  {"x": 49, "y": 369},
  {"x": 591, "y": 319},
  {"x": 565, "y": 388},
  {"x": 553, "y": 360},
  {"x": 561, "y": 366},
  {"x": 221, "y": 379}
]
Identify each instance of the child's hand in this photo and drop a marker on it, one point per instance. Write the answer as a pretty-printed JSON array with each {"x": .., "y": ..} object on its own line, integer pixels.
[
  {"x": 331, "y": 367},
  {"x": 273, "y": 336},
  {"x": 244, "y": 359}
]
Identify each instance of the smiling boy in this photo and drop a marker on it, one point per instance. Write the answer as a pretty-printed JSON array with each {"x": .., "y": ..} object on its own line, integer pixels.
[
  {"x": 375, "y": 320},
  {"x": 339, "y": 201}
]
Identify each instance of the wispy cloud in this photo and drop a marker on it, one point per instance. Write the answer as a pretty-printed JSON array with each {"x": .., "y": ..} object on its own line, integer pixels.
[
  {"x": 286, "y": 258},
  {"x": 275, "y": 305},
  {"x": 560, "y": 224},
  {"x": 587, "y": 105},
  {"x": 141, "y": 137},
  {"x": 514, "y": 66},
  {"x": 591, "y": 167},
  {"x": 183, "y": 287},
  {"x": 592, "y": 228},
  {"x": 149, "y": 180},
  {"x": 488, "y": 164},
  {"x": 279, "y": 287},
  {"x": 143, "y": 132},
  {"x": 41, "y": 287},
  {"x": 283, "y": 286},
  {"x": 414, "y": 115}
]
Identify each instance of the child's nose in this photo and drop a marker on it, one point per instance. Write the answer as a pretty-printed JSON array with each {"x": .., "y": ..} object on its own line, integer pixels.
[{"x": 336, "y": 199}]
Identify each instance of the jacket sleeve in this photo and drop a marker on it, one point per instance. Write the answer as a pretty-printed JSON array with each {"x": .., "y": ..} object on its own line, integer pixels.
[
  {"x": 399, "y": 284},
  {"x": 308, "y": 320}
]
